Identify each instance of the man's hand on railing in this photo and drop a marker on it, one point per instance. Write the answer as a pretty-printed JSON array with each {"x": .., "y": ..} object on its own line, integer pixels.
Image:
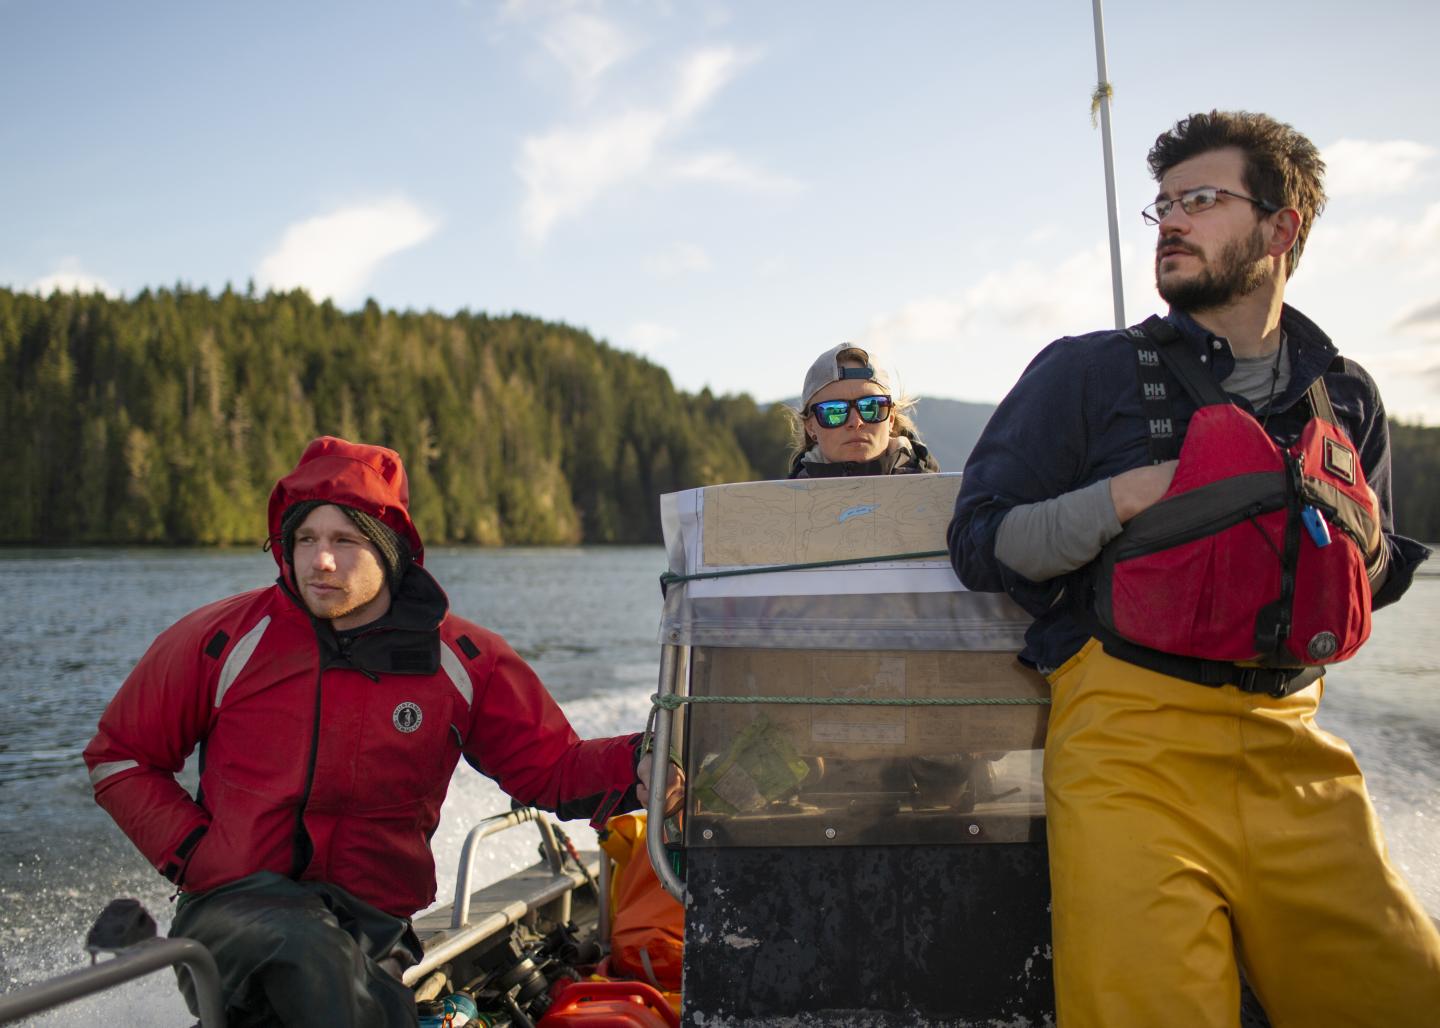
[{"x": 674, "y": 786}]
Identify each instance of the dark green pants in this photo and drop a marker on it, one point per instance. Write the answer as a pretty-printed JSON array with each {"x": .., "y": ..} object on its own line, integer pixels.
[{"x": 299, "y": 953}]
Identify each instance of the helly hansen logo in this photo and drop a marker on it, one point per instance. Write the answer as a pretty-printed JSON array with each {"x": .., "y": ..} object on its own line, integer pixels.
[
  {"x": 1161, "y": 427},
  {"x": 1150, "y": 358},
  {"x": 1136, "y": 331},
  {"x": 1154, "y": 390}
]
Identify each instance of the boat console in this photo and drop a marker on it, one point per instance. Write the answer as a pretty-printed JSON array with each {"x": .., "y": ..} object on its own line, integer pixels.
[{"x": 863, "y": 839}]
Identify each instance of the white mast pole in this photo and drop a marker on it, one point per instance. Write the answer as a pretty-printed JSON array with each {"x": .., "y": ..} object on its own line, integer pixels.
[{"x": 1102, "y": 100}]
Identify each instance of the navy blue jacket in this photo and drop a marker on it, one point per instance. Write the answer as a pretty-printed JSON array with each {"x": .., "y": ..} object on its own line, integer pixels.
[{"x": 1075, "y": 418}]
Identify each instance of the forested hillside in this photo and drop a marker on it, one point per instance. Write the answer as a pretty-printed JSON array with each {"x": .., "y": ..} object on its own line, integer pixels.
[
  {"x": 1415, "y": 460},
  {"x": 168, "y": 417}
]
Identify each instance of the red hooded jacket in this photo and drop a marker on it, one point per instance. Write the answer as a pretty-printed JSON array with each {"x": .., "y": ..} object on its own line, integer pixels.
[{"x": 327, "y": 756}]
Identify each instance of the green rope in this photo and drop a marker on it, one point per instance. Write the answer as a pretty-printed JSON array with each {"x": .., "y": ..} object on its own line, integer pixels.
[
  {"x": 669, "y": 578},
  {"x": 673, "y": 702}
]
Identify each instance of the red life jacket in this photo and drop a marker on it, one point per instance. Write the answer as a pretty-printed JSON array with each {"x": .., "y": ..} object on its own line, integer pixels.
[{"x": 1256, "y": 553}]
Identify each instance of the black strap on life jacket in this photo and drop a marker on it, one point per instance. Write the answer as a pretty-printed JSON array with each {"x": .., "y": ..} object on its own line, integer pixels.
[
  {"x": 1150, "y": 337},
  {"x": 1272, "y": 624},
  {"x": 1159, "y": 348},
  {"x": 1271, "y": 681}
]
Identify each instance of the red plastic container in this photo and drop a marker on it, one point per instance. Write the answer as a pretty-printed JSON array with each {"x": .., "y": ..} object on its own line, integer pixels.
[{"x": 610, "y": 1005}]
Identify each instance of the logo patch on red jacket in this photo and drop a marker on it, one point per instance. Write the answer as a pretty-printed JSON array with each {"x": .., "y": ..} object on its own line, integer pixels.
[
  {"x": 407, "y": 717},
  {"x": 1339, "y": 460}
]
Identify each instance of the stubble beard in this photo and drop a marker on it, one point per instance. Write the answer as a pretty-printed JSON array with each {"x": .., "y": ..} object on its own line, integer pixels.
[
  {"x": 339, "y": 605},
  {"x": 1238, "y": 270}
]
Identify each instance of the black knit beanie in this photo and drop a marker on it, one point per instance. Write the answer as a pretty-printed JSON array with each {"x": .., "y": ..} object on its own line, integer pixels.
[{"x": 394, "y": 551}]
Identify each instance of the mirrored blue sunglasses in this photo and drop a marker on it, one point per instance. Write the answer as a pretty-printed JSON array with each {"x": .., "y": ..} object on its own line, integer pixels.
[{"x": 834, "y": 413}]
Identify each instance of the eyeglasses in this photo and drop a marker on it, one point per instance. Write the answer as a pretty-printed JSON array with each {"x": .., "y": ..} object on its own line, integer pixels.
[
  {"x": 1193, "y": 201},
  {"x": 834, "y": 413}
]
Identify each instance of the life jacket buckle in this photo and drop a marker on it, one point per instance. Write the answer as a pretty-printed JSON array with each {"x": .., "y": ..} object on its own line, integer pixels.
[
  {"x": 1276, "y": 682},
  {"x": 1247, "y": 679}
]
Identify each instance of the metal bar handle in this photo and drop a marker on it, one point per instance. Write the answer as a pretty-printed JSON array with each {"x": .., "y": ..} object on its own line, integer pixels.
[
  {"x": 671, "y": 668},
  {"x": 552, "y": 848},
  {"x": 490, "y": 826},
  {"x": 132, "y": 962}
]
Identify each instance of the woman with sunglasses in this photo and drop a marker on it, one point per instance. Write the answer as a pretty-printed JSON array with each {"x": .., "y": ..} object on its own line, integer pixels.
[{"x": 849, "y": 422}]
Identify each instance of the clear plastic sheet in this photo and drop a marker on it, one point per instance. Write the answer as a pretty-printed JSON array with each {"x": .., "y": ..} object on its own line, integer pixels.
[{"x": 903, "y": 627}]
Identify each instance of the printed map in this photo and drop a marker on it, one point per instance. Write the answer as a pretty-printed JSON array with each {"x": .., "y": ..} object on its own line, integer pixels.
[{"x": 826, "y": 519}]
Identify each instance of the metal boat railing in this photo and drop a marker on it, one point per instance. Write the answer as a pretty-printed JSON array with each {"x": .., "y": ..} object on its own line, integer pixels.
[
  {"x": 153, "y": 954},
  {"x": 486, "y": 828},
  {"x": 132, "y": 962},
  {"x": 673, "y": 659},
  {"x": 554, "y": 891}
]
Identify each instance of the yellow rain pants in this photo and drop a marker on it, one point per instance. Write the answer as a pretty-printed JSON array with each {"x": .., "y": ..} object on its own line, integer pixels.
[{"x": 1192, "y": 828}]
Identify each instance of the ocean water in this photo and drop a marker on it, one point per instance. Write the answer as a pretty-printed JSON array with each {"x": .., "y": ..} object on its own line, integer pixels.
[{"x": 73, "y": 622}]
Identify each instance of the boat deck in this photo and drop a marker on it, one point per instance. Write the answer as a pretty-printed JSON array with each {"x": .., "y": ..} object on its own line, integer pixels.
[{"x": 493, "y": 909}]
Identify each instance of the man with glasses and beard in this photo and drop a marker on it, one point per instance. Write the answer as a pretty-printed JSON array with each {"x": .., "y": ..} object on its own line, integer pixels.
[{"x": 1197, "y": 818}]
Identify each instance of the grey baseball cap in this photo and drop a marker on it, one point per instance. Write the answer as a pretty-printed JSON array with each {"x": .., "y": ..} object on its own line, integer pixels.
[{"x": 827, "y": 368}]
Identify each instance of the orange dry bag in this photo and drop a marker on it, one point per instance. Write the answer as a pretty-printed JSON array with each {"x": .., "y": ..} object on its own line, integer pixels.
[{"x": 647, "y": 934}]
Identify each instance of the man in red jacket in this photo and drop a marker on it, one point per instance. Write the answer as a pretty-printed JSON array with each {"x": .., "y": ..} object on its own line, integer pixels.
[{"x": 330, "y": 709}]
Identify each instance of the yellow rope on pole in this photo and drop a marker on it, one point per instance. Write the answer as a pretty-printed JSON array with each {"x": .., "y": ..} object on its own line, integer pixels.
[{"x": 1103, "y": 91}]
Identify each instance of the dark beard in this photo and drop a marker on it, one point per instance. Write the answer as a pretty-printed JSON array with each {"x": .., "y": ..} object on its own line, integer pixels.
[{"x": 1238, "y": 271}]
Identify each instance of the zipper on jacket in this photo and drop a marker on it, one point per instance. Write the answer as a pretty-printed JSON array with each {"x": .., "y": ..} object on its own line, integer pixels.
[{"x": 302, "y": 837}]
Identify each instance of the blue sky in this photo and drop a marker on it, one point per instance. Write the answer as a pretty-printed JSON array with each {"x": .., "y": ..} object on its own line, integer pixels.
[{"x": 726, "y": 187}]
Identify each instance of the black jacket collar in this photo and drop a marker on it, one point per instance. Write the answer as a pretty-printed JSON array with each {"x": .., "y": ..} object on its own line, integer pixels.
[
  {"x": 405, "y": 640},
  {"x": 898, "y": 462},
  {"x": 1311, "y": 351}
]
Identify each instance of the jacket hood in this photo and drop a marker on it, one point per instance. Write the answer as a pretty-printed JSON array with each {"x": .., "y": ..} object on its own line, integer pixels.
[{"x": 369, "y": 478}]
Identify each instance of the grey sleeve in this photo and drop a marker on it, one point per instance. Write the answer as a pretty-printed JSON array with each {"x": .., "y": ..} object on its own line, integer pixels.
[{"x": 1044, "y": 540}]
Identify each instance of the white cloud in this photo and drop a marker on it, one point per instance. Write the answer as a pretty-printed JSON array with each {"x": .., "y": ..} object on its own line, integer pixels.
[
  {"x": 1422, "y": 321},
  {"x": 1356, "y": 167},
  {"x": 568, "y": 169},
  {"x": 334, "y": 255},
  {"x": 726, "y": 168},
  {"x": 974, "y": 342},
  {"x": 702, "y": 75},
  {"x": 649, "y": 336},
  {"x": 70, "y": 277},
  {"x": 1340, "y": 247},
  {"x": 1026, "y": 296},
  {"x": 678, "y": 260},
  {"x": 587, "y": 46}
]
